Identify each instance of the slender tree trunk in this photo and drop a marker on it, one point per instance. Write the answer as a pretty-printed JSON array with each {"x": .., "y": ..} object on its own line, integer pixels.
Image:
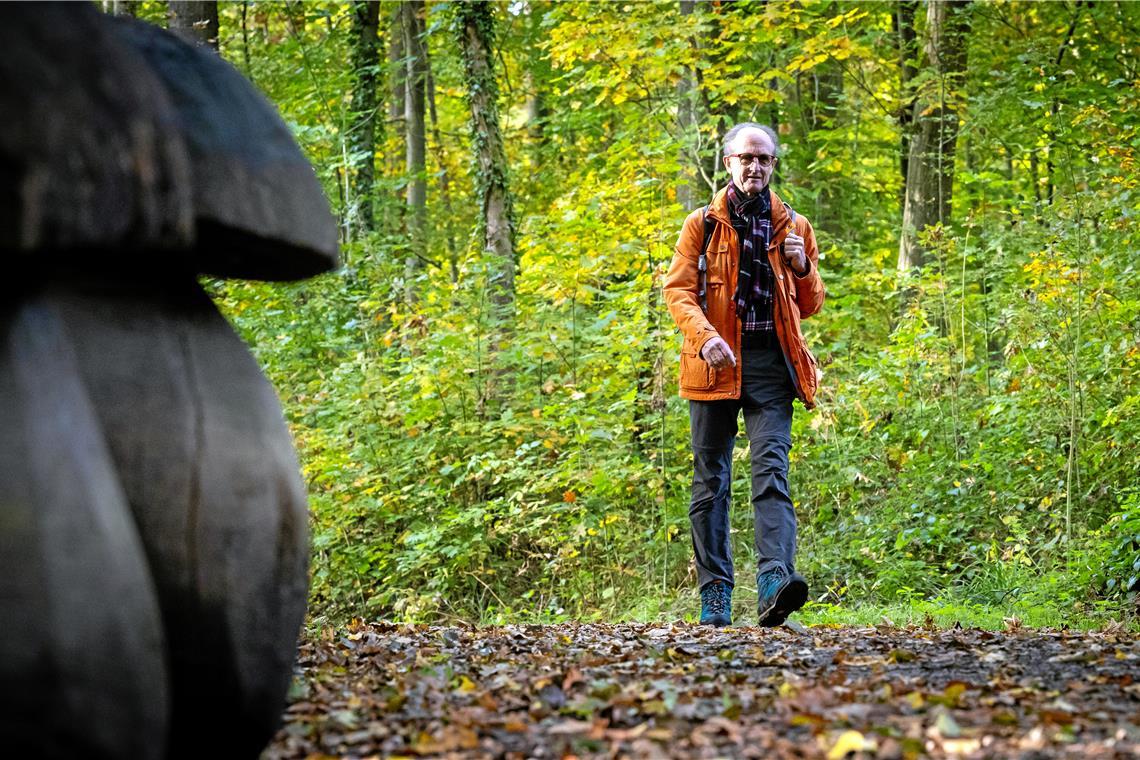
[
  {"x": 195, "y": 21},
  {"x": 397, "y": 73},
  {"x": 903, "y": 19},
  {"x": 713, "y": 18},
  {"x": 415, "y": 80},
  {"x": 245, "y": 40},
  {"x": 1035, "y": 179},
  {"x": 535, "y": 78},
  {"x": 930, "y": 173},
  {"x": 686, "y": 126},
  {"x": 440, "y": 150},
  {"x": 1050, "y": 128},
  {"x": 535, "y": 110},
  {"x": 363, "y": 131},
  {"x": 476, "y": 29},
  {"x": 773, "y": 104},
  {"x": 818, "y": 94}
]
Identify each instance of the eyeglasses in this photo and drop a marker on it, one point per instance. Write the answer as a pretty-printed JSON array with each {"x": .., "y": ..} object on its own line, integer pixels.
[{"x": 747, "y": 159}]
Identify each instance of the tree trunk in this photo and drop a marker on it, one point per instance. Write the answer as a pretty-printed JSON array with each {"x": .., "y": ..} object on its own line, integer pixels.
[
  {"x": 536, "y": 78},
  {"x": 686, "y": 126},
  {"x": 1050, "y": 127},
  {"x": 712, "y": 173},
  {"x": 930, "y": 173},
  {"x": 245, "y": 40},
  {"x": 363, "y": 133},
  {"x": 195, "y": 21},
  {"x": 903, "y": 19},
  {"x": 817, "y": 94},
  {"x": 721, "y": 114},
  {"x": 396, "y": 76},
  {"x": 444, "y": 177},
  {"x": 414, "y": 80},
  {"x": 535, "y": 110},
  {"x": 476, "y": 27}
]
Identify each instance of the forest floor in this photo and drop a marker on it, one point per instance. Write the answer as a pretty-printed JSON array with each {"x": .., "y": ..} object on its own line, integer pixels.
[{"x": 682, "y": 690}]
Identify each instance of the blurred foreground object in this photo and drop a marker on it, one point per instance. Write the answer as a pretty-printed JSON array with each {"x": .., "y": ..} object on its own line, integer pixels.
[{"x": 153, "y": 526}]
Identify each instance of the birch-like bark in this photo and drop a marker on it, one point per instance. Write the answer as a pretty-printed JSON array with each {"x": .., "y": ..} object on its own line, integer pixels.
[
  {"x": 930, "y": 172},
  {"x": 415, "y": 77}
]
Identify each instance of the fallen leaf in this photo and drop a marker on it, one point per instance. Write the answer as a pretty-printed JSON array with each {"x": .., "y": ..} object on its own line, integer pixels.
[
  {"x": 572, "y": 678},
  {"x": 570, "y": 727},
  {"x": 953, "y": 692},
  {"x": 961, "y": 746},
  {"x": 400, "y": 689},
  {"x": 626, "y": 734},
  {"x": 848, "y": 742},
  {"x": 945, "y": 726}
]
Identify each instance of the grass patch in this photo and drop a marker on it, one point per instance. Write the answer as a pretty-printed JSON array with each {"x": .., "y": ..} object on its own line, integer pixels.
[
  {"x": 944, "y": 611},
  {"x": 948, "y": 613}
]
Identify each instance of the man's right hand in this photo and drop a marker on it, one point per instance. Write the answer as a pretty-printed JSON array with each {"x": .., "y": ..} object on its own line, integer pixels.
[{"x": 717, "y": 353}]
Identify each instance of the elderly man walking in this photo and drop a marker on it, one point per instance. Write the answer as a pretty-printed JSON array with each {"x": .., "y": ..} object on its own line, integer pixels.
[{"x": 743, "y": 275}]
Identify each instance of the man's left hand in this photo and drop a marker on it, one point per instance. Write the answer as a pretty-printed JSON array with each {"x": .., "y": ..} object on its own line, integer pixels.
[{"x": 794, "y": 253}]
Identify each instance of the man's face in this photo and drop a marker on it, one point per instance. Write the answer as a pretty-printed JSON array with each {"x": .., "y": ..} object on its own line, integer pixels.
[{"x": 748, "y": 152}]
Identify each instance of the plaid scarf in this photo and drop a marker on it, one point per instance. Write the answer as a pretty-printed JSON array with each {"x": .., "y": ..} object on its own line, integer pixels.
[{"x": 752, "y": 217}]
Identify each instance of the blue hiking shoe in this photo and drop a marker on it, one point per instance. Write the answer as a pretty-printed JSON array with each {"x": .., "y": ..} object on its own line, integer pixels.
[
  {"x": 716, "y": 604},
  {"x": 779, "y": 594}
]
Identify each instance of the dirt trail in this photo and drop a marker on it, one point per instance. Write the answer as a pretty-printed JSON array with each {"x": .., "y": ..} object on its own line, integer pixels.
[{"x": 680, "y": 690}]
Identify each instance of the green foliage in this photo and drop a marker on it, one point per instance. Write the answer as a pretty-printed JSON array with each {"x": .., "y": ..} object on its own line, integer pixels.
[
  {"x": 1122, "y": 535},
  {"x": 974, "y": 446}
]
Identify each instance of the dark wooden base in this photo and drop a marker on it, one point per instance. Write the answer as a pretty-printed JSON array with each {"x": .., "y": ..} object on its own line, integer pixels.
[
  {"x": 82, "y": 671},
  {"x": 137, "y": 400}
]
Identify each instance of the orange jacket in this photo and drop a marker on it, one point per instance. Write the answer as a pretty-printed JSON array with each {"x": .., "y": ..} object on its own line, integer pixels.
[{"x": 794, "y": 299}]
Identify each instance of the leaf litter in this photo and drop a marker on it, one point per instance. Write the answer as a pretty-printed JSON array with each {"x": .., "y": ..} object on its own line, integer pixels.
[{"x": 687, "y": 691}]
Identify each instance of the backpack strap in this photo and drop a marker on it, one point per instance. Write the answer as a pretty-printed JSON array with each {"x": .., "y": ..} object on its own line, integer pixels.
[{"x": 703, "y": 261}]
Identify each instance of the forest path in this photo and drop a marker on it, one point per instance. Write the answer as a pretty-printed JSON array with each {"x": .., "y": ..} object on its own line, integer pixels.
[{"x": 681, "y": 690}]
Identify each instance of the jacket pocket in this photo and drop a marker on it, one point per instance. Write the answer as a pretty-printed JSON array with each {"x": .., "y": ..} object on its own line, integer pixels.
[
  {"x": 813, "y": 365},
  {"x": 790, "y": 279},
  {"x": 696, "y": 374},
  {"x": 716, "y": 285},
  {"x": 718, "y": 303}
]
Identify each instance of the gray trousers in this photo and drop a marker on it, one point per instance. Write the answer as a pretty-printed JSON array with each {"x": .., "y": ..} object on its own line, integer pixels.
[{"x": 766, "y": 397}]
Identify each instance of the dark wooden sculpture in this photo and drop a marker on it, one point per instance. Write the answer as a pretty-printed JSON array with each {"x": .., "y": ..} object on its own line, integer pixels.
[
  {"x": 82, "y": 670},
  {"x": 153, "y": 531}
]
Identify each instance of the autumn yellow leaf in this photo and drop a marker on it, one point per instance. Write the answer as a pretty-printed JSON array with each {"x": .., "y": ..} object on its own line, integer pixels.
[{"x": 848, "y": 742}]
